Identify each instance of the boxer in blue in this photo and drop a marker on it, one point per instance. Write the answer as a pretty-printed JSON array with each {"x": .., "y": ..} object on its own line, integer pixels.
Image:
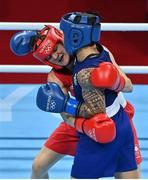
[{"x": 93, "y": 70}]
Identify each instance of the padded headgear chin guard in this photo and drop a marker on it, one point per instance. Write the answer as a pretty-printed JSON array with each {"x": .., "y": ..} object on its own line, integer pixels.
[
  {"x": 80, "y": 30},
  {"x": 47, "y": 39}
]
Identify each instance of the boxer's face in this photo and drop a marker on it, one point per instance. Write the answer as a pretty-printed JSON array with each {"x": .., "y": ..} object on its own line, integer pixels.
[{"x": 59, "y": 56}]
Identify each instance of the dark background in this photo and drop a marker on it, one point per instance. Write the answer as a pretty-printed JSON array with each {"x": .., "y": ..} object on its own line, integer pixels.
[{"x": 129, "y": 48}]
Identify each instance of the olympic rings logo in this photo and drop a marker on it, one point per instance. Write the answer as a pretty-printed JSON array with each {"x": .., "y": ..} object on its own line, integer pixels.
[{"x": 52, "y": 105}]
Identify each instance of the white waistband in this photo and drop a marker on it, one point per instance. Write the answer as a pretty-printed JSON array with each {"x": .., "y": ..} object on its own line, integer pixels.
[
  {"x": 122, "y": 100},
  {"x": 114, "y": 108}
]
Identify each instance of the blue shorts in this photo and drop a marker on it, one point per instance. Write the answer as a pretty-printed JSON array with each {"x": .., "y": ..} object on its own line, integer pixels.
[{"x": 94, "y": 160}]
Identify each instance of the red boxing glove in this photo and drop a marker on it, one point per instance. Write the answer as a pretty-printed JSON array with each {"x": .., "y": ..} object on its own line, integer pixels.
[
  {"x": 107, "y": 76},
  {"x": 100, "y": 128}
]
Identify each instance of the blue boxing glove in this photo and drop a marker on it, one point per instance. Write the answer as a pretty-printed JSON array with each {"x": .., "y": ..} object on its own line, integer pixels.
[
  {"x": 20, "y": 43},
  {"x": 50, "y": 98}
]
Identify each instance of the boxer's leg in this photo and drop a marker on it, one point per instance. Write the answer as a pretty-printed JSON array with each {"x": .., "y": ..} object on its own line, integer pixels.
[{"x": 43, "y": 161}]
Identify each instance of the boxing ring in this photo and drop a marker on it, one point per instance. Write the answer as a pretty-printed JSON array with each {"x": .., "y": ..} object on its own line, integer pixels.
[{"x": 24, "y": 128}]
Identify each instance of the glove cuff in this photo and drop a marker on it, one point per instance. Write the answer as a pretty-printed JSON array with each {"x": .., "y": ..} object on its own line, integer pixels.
[
  {"x": 121, "y": 84},
  {"x": 71, "y": 106},
  {"x": 79, "y": 124}
]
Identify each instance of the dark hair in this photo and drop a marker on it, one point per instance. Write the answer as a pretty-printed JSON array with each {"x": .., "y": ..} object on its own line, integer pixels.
[
  {"x": 93, "y": 13},
  {"x": 91, "y": 17}
]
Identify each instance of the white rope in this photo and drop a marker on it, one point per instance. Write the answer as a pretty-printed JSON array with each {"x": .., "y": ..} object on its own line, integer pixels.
[
  {"x": 46, "y": 69},
  {"x": 104, "y": 26},
  {"x": 24, "y": 68}
]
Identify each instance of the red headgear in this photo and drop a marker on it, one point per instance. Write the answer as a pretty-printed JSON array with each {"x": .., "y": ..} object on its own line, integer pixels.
[{"x": 44, "y": 46}]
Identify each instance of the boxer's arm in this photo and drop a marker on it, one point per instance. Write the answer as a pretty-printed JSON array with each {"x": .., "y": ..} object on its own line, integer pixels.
[
  {"x": 105, "y": 130},
  {"x": 94, "y": 98},
  {"x": 94, "y": 102},
  {"x": 85, "y": 109},
  {"x": 128, "y": 84},
  {"x": 106, "y": 75},
  {"x": 68, "y": 119},
  {"x": 53, "y": 78}
]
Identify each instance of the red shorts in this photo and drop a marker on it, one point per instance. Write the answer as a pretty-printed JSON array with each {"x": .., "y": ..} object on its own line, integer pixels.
[
  {"x": 64, "y": 139},
  {"x": 130, "y": 111}
]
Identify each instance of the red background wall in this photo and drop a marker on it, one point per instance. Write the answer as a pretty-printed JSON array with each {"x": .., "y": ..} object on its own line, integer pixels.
[{"x": 129, "y": 48}]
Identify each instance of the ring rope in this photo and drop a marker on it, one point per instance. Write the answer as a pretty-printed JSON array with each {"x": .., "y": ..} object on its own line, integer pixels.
[
  {"x": 47, "y": 69},
  {"x": 104, "y": 26}
]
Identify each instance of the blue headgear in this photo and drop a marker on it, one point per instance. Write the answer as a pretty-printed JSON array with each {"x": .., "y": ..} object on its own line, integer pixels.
[{"x": 80, "y": 29}]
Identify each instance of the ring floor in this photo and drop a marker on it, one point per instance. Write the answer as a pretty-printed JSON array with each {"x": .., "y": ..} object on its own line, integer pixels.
[{"x": 24, "y": 128}]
